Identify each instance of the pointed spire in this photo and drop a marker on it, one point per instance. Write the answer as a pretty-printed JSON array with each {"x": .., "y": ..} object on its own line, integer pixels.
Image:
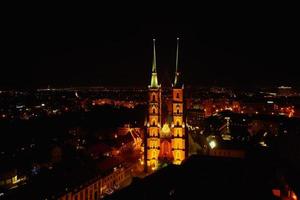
[
  {"x": 154, "y": 58},
  {"x": 177, "y": 81},
  {"x": 154, "y": 82},
  {"x": 177, "y": 55}
]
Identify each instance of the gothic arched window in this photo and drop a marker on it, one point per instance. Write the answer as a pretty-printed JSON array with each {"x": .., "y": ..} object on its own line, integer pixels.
[
  {"x": 153, "y": 97},
  {"x": 153, "y": 110},
  {"x": 177, "y": 95}
]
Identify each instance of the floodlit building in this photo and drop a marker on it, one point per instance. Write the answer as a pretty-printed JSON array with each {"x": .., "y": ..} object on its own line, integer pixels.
[{"x": 166, "y": 136}]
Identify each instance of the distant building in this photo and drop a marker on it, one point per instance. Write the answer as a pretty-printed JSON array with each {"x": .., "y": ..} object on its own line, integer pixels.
[
  {"x": 228, "y": 153},
  {"x": 225, "y": 148},
  {"x": 285, "y": 91},
  {"x": 195, "y": 116},
  {"x": 10, "y": 179},
  {"x": 114, "y": 173},
  {"x": 96, "y": 151}
]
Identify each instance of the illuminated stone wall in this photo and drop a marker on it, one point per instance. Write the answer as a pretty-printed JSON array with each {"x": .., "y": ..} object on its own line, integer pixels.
[
  {"x": 178, "y": 130},
  {"x": 153, "y": 127}
]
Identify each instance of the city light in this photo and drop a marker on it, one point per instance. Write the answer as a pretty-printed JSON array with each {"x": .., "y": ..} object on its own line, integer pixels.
[
  {"x": 263, "y": 144},
  {"x": 212, "y": 144},
  {"x": 166, "y": 128},
  {"x": 112, "y": 136}
]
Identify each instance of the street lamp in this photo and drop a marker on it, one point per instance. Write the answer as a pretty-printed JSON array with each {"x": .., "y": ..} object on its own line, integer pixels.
[{"x": 212, "y": 144}]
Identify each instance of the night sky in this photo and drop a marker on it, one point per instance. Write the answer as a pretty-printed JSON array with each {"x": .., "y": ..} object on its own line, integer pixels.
[{"x": 214, "y": 50}]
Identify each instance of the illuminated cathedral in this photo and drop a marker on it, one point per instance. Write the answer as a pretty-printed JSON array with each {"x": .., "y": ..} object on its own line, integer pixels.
[{"x": 166, "y": 137}]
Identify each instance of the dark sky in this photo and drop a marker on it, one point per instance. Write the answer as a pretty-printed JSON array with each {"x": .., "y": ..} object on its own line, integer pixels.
[{"x": 221, "y": 50}]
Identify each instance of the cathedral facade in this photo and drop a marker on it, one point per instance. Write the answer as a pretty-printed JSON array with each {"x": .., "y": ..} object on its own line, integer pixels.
[{"x": 166, "y": 137}]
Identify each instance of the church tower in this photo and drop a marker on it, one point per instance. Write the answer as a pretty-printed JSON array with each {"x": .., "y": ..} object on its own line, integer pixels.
[
  {"x": 178, "y": 122},
  {"x": 154, "y": 118},
  {"x": 165, "y": 143}
]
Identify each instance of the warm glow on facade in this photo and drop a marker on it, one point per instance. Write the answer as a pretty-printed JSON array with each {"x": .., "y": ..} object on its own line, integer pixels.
[{"x": 165, "y": 142}]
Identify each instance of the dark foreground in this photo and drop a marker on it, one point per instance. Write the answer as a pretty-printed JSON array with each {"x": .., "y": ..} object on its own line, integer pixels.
[{"x": 209, "y": 178}]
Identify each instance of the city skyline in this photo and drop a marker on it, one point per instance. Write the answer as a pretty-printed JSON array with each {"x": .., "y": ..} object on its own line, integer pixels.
[
  {"x": 120, "y": 54},
  {"x": 111, "y": 105}
]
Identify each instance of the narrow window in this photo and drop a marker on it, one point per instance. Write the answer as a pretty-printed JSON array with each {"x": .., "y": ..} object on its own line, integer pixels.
[
  {"x": 153, "y": 97},
  {"x": 177, "y": 95}
]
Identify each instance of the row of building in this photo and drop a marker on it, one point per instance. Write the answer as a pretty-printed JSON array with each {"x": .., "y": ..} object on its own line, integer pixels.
[{"x": 112, "y": 179}]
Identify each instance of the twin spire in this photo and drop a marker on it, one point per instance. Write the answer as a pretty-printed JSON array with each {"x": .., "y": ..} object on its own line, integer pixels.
[
  {"x": 154, "y": 81},
  {"x": 154, "y": 58},
  {"x": 177, "y": 80}
]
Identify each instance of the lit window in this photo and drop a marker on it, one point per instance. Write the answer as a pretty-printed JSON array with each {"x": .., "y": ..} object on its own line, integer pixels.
[
  {"x": 153, "y": 123},
  {"x": 14, "y": 179}
]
